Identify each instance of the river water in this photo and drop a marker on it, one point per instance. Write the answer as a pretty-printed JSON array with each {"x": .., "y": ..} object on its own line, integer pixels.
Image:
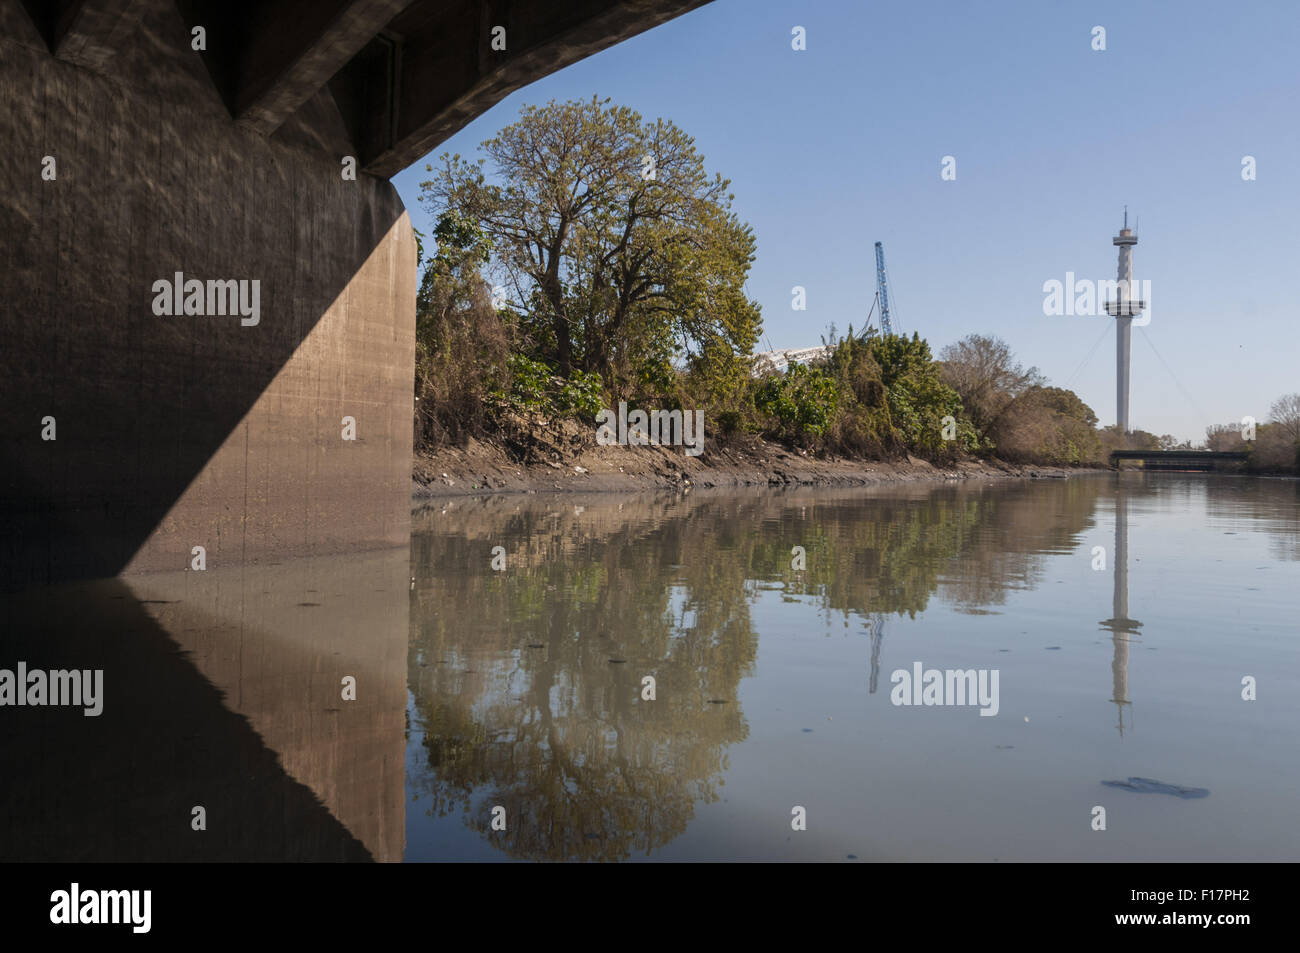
[
  {"x": 1121, "y": 614},
  {"x": 620, "y": 677}
]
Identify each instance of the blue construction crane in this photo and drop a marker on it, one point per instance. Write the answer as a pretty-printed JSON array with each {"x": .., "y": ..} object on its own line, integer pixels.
[{"x": 882, "y": 290}]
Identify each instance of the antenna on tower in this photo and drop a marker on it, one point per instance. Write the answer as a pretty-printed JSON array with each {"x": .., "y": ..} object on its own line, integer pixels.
[{"x": 1126, "y": 216}]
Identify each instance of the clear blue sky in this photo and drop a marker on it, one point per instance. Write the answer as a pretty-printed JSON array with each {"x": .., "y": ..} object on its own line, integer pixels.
[{"x": 839, "y": 146}]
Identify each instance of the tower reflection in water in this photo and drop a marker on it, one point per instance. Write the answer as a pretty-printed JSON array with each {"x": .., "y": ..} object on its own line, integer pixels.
[{"x": 1122, "y": 629}]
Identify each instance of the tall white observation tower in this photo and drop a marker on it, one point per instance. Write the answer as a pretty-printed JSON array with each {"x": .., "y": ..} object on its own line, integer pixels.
[{"x": 1124, "y": 309}]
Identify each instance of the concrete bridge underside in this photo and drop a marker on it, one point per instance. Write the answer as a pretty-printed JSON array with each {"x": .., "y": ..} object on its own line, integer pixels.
[{"x": 129, "y": 438}]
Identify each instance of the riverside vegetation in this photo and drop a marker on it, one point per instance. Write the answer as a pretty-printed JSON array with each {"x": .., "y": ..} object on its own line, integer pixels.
[{"x": 587, "y": 259}]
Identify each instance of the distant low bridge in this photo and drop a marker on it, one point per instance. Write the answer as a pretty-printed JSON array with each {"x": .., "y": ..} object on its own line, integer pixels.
[{"x": 1198, "y": 460}]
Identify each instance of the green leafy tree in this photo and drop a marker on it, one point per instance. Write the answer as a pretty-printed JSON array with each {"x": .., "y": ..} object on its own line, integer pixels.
[
  {"x": 612, "y": 238},
  {"x": 803, "y": 401},
  {"x": 862, "y": 426},
  {"x": 918, "y": 398}
]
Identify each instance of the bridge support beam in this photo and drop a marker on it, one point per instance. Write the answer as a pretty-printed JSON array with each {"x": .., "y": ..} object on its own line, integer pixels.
[
  {"x": 202, "y": 147},
  {"x": 132, "y": 435}
]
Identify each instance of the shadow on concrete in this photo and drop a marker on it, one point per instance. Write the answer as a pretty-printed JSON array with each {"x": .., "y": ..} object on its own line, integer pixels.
[{"x": 152, "y": 179}]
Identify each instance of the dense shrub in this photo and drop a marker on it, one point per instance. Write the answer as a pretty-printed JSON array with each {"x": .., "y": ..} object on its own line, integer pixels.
[{"x": 802, "y": 402}]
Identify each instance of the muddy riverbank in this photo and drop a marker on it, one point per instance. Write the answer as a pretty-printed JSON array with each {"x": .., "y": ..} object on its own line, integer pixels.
[{"x": 569, "y": 460}]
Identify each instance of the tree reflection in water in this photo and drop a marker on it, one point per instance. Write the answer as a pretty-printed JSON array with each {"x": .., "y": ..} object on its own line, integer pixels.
[{"x": 527, "y": 683}]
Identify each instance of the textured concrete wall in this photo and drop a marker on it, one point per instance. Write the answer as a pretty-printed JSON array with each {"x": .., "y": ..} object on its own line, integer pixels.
[{"x": 182, "y": 431}]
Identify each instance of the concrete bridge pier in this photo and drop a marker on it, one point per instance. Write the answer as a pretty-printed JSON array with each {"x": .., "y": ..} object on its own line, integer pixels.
[
  {"x": 132, "y": 437},
  {"x": 207, "y": 331},
  {"x": 240, "y": 150}
]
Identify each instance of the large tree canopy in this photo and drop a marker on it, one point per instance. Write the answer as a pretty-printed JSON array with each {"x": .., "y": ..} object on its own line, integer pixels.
[{"x": 612, "y": 243}]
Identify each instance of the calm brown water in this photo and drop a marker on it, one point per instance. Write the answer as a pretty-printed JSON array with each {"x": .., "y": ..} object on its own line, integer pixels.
[
  {"x": 378, "y": 706},
  {"x": 773, "y": 684}
]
